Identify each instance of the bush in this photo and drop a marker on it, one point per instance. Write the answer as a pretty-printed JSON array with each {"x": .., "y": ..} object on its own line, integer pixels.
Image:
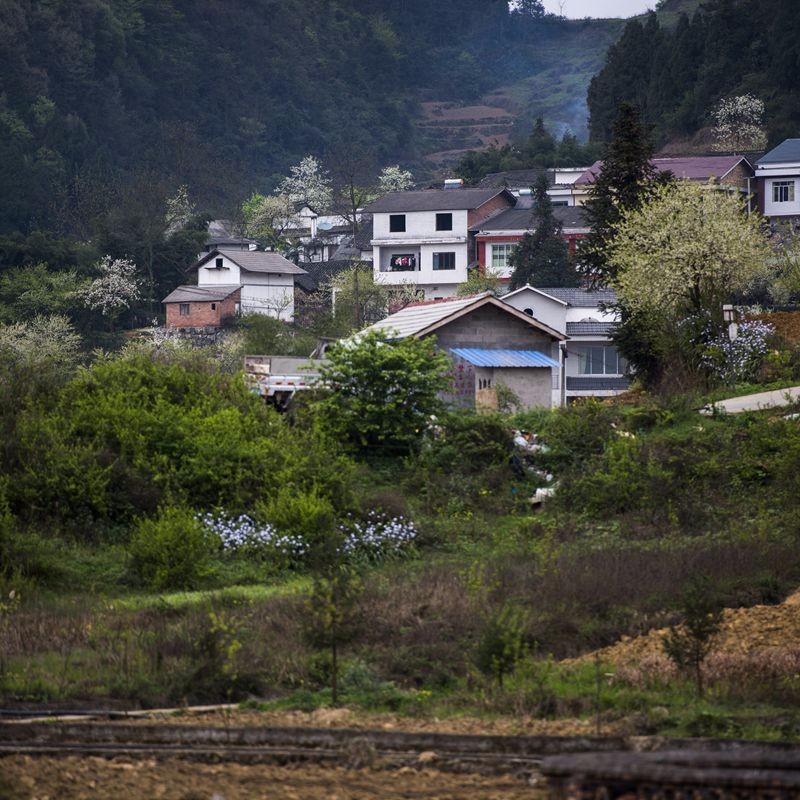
[{"x": 173, "y": 551}]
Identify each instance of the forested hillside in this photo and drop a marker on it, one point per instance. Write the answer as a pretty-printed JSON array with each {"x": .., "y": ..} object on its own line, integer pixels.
[
  {"x": 97, "y": 94},
  {"x": 677, "y": 74}
]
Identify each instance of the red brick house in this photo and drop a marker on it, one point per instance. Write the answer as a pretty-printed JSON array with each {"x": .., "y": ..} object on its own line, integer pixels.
[{"x": 202, "y": 306}]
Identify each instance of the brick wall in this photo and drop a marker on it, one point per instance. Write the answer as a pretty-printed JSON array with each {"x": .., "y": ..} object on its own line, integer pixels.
[
  {"x": 480, "y": 213},
  {"x": 202, "y": 315}
]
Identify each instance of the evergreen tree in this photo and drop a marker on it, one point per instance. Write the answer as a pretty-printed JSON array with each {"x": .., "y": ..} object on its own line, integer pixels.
[
  {"x": 541, "y": 258},
  {"x": 623, "y": 182}
]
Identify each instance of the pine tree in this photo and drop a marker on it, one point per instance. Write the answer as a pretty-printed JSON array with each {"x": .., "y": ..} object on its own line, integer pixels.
[
  {"x": 541, "y": 258},
  {"x": 624, "y": 181}
]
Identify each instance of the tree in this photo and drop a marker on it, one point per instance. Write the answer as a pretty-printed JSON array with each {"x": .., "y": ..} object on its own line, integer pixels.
[
  {"x": 625, "y": 179},
  {"x": 116, "y": 288},
  {"x": 688, "y": 644},
  {"x": 478, "y": 281},
  {"x": 394, "y": 179},
  {"x": 266, "y": 219},
  {"x": 308, "y": 183},
  {"x": 738, "y": 123},
  {"x": 530, "y": 8},
  {"x": 542, "y": 257},
  {"x": 381, "y": 393},
  {"x": 675, "y": 261}
]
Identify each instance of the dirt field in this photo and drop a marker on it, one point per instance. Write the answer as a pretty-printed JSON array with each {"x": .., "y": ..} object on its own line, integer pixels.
[{"x": 24, "y": 778}]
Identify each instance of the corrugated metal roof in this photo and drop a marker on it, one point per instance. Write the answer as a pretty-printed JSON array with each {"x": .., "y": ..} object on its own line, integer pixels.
[
  {"x": 787, "y": 151},
  {"x": 590, "y": 328},
  {"x": 200, "y": 294},
  {"x": 417, "y": 317},
  {"x": 503, "y": 358}
]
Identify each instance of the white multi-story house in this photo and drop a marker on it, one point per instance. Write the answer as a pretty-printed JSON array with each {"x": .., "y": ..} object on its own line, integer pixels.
[
  {"x": 424, "y": 238},
  {"x": 777, "y": 176}
]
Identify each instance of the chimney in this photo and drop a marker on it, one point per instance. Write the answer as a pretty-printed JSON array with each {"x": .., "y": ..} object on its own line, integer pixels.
[{"x": 453, "y": 183}]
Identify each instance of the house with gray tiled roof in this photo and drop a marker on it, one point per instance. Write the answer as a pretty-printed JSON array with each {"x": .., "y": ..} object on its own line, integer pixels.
[
  {"x": 265, "y": 282},
  {"x": 423, "y": 237},
  {"x": 592, "y": 365},
  {"x": 777, "y": 177}
]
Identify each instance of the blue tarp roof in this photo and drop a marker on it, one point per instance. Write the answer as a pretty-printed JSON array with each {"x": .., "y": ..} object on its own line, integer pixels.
[{"x": 503, "y": 358}]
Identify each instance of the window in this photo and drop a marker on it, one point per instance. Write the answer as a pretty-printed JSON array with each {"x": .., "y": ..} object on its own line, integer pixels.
[
  {"x": 500, "y": 254},
  {"x": 397, "y": 223},
  {"x": 599, "y": 360},
  {"x": 444, "y": 222},
  {"x": 444, "y": 260},
  {"x": 184, "y": 310},
  {"x": 219, "y": 263},
  {"x": 783, "y": 192},
  {"x": 213, "y": 306}
]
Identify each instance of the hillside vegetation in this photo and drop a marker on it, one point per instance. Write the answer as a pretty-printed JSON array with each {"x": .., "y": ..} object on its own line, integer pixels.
[{"x": 677, "y": 72}]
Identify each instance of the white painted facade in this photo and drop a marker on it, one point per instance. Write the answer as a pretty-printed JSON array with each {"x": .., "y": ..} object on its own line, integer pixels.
[
  {"x": 588, "y": 356},
  {"x": 781, "y": 190},
  {"x": 262, "y": 292},
  {"x": 426, "y": 245}
]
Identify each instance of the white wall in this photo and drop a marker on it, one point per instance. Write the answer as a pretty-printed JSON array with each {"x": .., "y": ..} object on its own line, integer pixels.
[
  {"x": 420, "y": 225},
  {"x": 209, "y": 275},
  {"x": 773, "y": 209},
  {"x": 545, "y": 309}
]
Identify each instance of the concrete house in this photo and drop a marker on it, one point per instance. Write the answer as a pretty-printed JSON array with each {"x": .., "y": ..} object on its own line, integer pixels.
[
  {"x": 424, "y": 237},
  {"x": 266, "y": 279},
  {"x": 592, "y": 365},
  {"x": 491, "y": 343},
  {"x": 777, "y": 176},
  {"x": 496, "y": 237}
]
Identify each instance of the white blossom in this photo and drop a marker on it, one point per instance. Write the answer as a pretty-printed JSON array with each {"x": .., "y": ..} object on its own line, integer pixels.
[
  {"x": 308, "y": 183},
  {"x": 739, "y": 123},
  {"x": 116, "y": 288},
  {"x": 394, "y": 179}
]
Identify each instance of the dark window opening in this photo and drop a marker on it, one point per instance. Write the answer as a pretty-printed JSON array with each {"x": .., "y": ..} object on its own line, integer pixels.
[
  {"x": 213, "y": 306},
  {"x": 444, "y": 260},
  {"x": 444, "y": 222},
  {"x": 397, "y": 223},
  {"x": 184, "y": 310},
  {"x": 528, "y": 311},
  {"x": 219, "y": 263}
]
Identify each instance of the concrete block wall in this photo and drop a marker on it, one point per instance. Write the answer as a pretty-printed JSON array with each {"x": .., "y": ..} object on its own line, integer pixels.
[{"x": 493, "y": 329}]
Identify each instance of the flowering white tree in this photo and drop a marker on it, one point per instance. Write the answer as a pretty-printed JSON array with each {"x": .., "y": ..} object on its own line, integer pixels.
[
  {"x": 116, "y": 289},
  {"x": 180, "y": 210},
  {"x": 308, "y": 183},
  {"x": 738, "y": 123},
  {"x": 687, "y": 250},
  {"x": 266, "y": 218},
  {"x": 394, "y": 179},
  {"x": 42, "y": 340}
]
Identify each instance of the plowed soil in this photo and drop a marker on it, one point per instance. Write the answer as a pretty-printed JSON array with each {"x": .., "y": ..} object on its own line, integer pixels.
[{"x": 24, "y": 778}]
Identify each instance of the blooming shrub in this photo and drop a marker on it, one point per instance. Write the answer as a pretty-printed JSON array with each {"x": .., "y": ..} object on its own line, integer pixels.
[
  {"x": 243, "y": 535},
  {"x": 374, "y": 537},
  {"x": 738, "y": 360},
  {"x": 378, "y": 535}
]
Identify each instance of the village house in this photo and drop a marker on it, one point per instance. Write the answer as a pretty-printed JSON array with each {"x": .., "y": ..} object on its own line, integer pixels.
[
  {"x": 592, "y": 365},
  {"x": 520, "y": 181},
  {"x": 202, "y": 306},
  {"x": 776, "y": 177},
  {"x": 727, "y": 172},
  {"x": 265, "y": 282},
  {"x": 491, "y": 344},
  {"x": 424, "y": 237},
  {"x": 497, "y": 236}
]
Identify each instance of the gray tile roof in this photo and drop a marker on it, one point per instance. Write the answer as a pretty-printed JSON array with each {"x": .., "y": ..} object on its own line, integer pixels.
[
  {"x": 200, "y": 294},
  {"x": 590, "y": 328},
  {"x": 255, "y": 261},
  {"x": 319, "y": 272},
  {"x": 581, "y": 298},
  {"x": 519, "y": 219},
  {"x": 788, "y": 151},
  {"x": 516, "y": 178},
  {"x": 435, "y": 200}
]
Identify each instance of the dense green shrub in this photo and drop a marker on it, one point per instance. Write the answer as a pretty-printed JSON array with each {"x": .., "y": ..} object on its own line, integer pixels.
[{"x": 172, "y": 551}]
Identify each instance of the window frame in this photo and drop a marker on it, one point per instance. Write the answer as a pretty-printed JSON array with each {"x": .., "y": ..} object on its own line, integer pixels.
[
  {"x": 397, "y": 223},
  {"x": 184, "y": 309},
  {"x": 437, "y": 257},
  {"x": 444, "y": 221},
  {"x": 610, "y": 356},
  {"x": 507, "y": 248},
  {"x": 779, "y": 188}
]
